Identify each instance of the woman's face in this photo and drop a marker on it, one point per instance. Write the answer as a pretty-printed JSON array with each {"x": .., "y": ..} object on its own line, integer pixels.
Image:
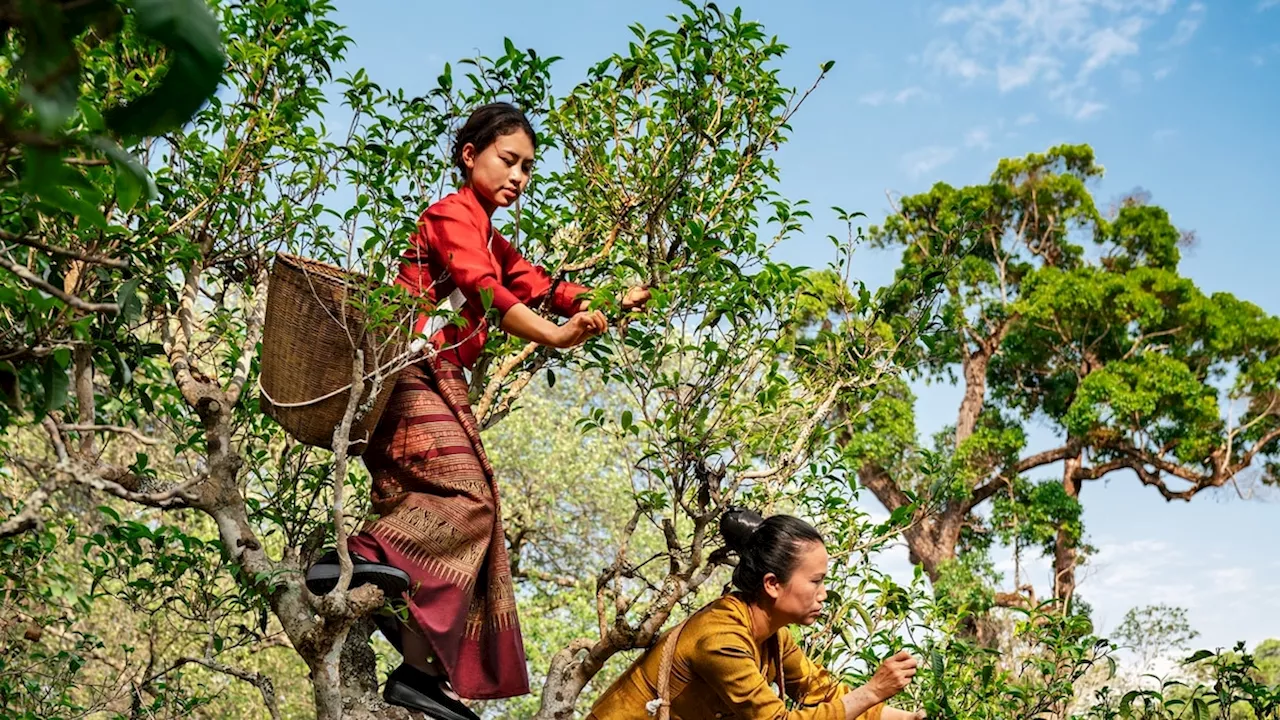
[
  {"x": 501, "y": 171},
  {"x": 799, "y": 600}
]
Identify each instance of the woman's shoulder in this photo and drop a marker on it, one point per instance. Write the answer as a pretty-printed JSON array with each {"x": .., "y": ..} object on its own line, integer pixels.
[
  {"x": 454, "y": 206},
  {"x": 724, "y": 616}
]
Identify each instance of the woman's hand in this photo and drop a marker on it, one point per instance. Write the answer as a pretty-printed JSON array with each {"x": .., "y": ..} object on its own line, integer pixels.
[
  {"x": 893, "y": 676},
  {"x": 580, "y": 328},
  {"x": 635, "y": 298}
]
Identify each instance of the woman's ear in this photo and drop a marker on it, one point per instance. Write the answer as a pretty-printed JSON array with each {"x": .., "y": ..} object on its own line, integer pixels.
[
  {"x": 469, "y": 156},
  {"x": 772, "y": 587}
]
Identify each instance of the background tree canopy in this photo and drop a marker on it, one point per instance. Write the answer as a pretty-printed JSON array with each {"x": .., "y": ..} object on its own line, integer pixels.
[{"x": 154, "y": 522}]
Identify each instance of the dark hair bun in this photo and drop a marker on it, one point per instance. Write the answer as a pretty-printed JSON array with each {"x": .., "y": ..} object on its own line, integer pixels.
[
  {"x": 736, "y": 525},
  {"x": 764, "y": 547}
]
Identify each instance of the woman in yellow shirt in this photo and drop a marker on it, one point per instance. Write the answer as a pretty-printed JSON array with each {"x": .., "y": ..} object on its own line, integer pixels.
[{"x": 726, "y": 655}]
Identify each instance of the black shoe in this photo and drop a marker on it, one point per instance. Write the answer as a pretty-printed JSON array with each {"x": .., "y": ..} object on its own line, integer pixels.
[
  {"x": 409, "y": 687},
  {"x": 323, "y": 576}
]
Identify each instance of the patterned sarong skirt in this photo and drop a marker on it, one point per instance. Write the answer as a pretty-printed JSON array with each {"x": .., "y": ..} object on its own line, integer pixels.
[{"x": 439, "y": 520}]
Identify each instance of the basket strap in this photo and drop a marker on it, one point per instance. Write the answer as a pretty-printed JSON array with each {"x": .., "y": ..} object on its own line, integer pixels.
[
  {"x": 396, "y": 364},
  {"x": 664, "y": 672},
  {"x": 455, "y": 300},
  {"x": 782, "y": 677},
  {"x": 436, "y": 323},
  {"x": 661, "y": 707}
]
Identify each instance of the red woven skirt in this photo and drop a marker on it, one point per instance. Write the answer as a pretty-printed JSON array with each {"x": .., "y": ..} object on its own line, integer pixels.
[{"x": 440, "y": 521}]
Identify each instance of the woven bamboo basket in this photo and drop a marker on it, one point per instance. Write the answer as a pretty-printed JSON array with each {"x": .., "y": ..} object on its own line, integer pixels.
[{"x": 308, "y": 341}]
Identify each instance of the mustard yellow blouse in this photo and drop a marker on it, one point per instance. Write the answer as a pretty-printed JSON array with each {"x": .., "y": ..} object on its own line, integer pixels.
[{"x": 719, "y": 672}]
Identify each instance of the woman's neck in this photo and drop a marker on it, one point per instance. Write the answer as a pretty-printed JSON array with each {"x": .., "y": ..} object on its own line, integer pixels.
[
  {"x": 485, "y": 205},
  {"x": 763, "y": 624}
]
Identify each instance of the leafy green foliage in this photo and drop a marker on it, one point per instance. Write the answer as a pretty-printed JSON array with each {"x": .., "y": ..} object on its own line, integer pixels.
[
  {"x": 1032, "y": 514},
  {"x": 1153, "y": 632},
  {"x": 128, "y": 375},
  {"x": 1232, "y": 690},
  {"x": 1056, "y": 312}
]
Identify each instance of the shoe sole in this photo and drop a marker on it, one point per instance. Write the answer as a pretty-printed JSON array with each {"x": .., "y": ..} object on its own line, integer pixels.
[
  {"x": 406, "y": 697},
  {"x": 322, "y": 579}
]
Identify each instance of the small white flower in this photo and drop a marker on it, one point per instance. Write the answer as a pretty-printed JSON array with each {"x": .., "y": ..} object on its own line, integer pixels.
[{"x": 567, "y": 236}]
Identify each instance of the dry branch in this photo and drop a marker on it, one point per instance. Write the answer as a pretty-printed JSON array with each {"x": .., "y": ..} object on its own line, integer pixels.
[
  {"x": 31, "y": 242},
  {"x": 35, "y": 281},
  {"x": 29, "y": 517}
]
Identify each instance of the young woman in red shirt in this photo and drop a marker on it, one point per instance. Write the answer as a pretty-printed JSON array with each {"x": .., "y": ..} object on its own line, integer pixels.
[{"x": 438, "y": 538}]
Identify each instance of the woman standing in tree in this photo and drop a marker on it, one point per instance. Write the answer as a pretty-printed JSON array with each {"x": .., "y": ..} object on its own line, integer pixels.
[
  {"x": 439, "y": 538},
  {"x": 721, "y": 661}
]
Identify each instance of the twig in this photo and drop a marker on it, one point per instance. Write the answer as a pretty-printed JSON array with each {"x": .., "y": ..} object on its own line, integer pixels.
[
  {"x": 34, "y": 280},
  {"x": 55, "y": 437},
  {"x": 495, "y": 382},
  {"x": 603, "y": 252},
  {"x": 31, "y": 242},
  {"x": 84, "y": 395},
  {"x": 145, "y": 440},
  {"x": 101, "y": 478},
  {"x": 341, "y": 443},
  {"x": 253, "y": 334},
  {"x": 797, "y": 449},
  {"x": 177, "y": 350},
  {"x": 513, "y": 393},
  {"x": 86, "y": 162},
  {"x": 258, "y": 680}
]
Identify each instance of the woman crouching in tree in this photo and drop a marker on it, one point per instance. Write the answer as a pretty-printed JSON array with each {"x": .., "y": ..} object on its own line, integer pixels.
[
  {"x": 438, "y": 537},
  {"x": 721, "y": 661}
]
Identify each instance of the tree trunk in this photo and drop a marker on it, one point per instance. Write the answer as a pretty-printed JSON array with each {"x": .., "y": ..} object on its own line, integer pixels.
[
  {"x": 933, "y": 541},
  {"x": 930, "y": 542},
  {"x": 975, "y": 391},
  {"x": 1064, "y": 553},
  {"x": 359, "y": 678},
  {"x": 565, "y": 681},
  {"x": 975, "y": 366}
]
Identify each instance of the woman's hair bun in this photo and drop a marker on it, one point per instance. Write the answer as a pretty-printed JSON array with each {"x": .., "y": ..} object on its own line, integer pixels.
[{"x": 736, "y": 525}]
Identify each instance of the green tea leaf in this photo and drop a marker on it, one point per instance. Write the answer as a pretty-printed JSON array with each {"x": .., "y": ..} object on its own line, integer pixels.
[
  {"x": 133, "y": 182},
  {"x": 57, "y": 383},
  {"x": 189, "y": 30}
]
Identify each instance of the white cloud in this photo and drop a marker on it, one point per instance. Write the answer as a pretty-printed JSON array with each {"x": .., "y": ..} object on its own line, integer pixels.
[
  {"x": 907, "y": 94},
  {"x": 1162, "y": 73},
  {"x": 1233, "y": 580},
  {"x": 948, "y": 59},
  {"x": 1009, "y": 77},
  {"x": 1125, "y": 569},
  {"x": 1163, "y": 135},
  {"x": 926, "y": 159},
  {"x": 902, "y": 97},
  {"x": 874, "y": 99},
  {"x": 1189, "y": 23},
  {"x": 1261, "y": 57},
  {"x": 1027, "y": 119},
  {"x": 979, "y": 138},
  {"x": 1138, "y": 572},
  {"x": 1089, "y": 109},
  {"x": 1267, "y": 4},
  {"x": 1109, "y": 43},
  {"x": 1060, "y": 46}
]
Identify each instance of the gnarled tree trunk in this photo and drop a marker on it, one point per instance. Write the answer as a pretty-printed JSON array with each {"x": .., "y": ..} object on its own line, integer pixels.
[{"x": 1065, "y": 555}]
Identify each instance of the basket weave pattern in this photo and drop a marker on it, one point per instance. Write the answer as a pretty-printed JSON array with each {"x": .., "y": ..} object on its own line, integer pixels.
[{"x": 309, "y": 335}]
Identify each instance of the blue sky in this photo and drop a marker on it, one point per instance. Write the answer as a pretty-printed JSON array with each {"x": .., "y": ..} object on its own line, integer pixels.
[{"x": 1179, "y": 97}]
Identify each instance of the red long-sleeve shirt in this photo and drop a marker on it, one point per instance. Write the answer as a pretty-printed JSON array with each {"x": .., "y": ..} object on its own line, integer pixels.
[{"x": 452, "y": 249}]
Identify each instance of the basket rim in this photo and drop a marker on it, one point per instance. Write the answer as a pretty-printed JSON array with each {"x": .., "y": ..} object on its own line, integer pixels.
[{"x": 311, "y": 266}]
